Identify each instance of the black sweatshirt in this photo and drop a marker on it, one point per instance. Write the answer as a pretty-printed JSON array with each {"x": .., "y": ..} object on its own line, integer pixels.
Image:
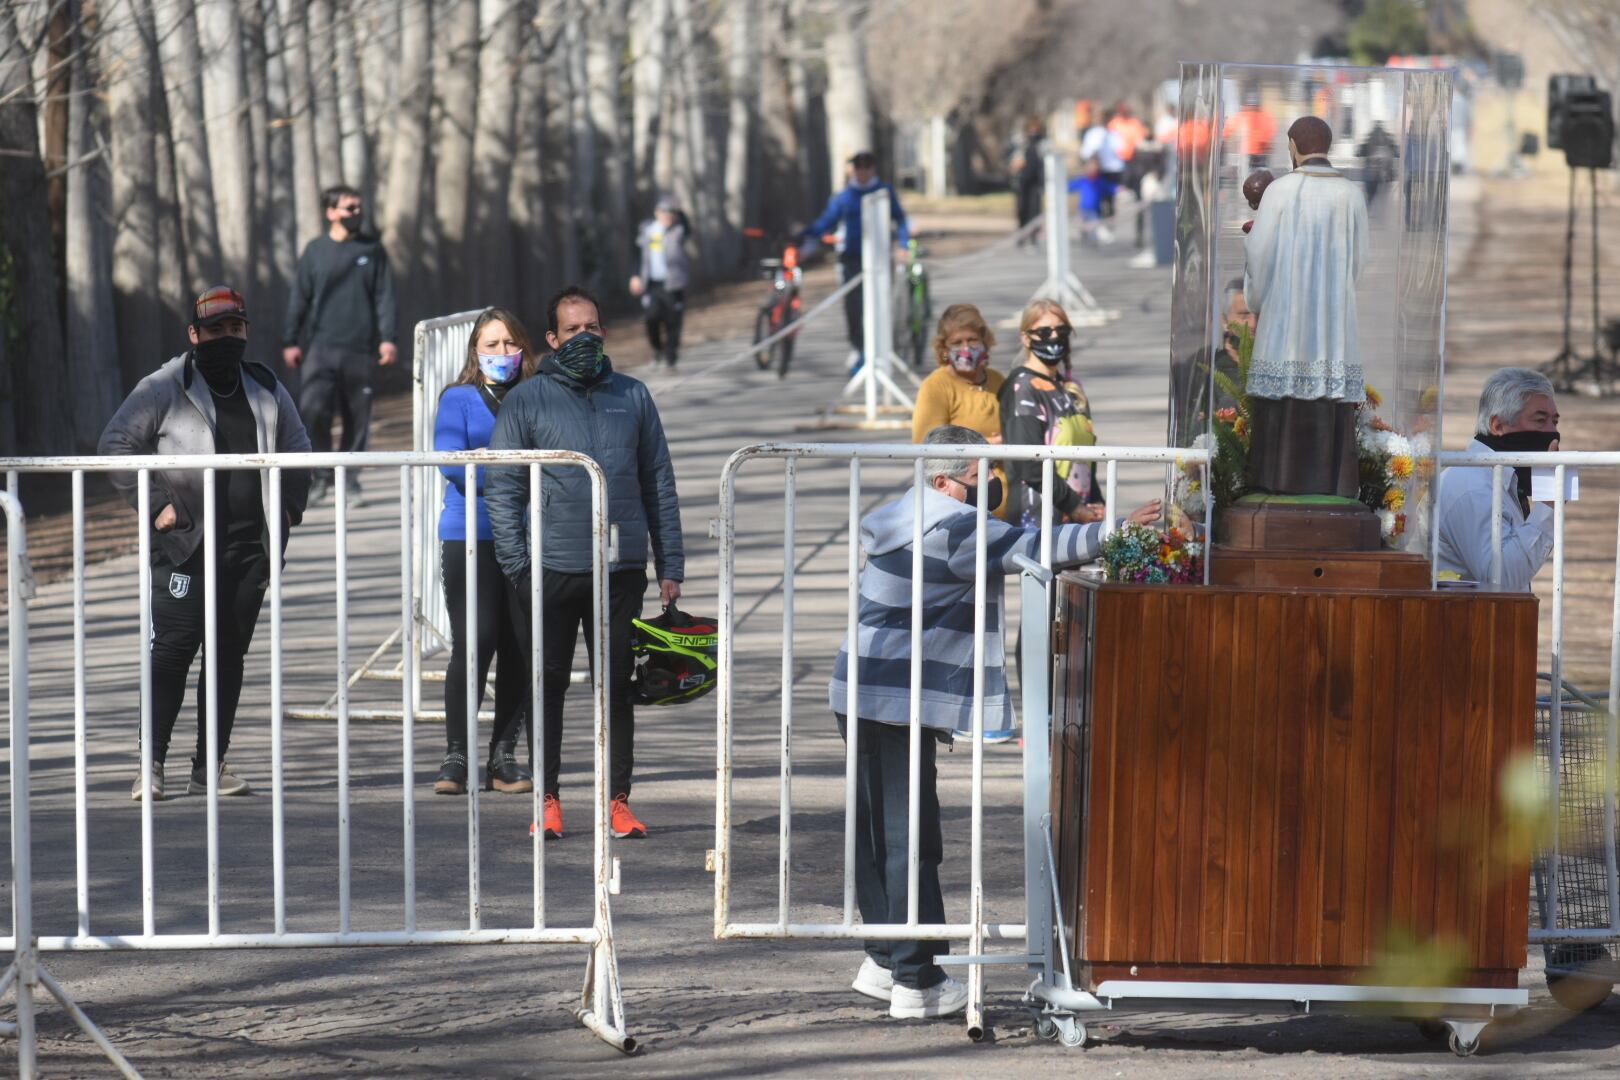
[{"x": 343, "y": 296}]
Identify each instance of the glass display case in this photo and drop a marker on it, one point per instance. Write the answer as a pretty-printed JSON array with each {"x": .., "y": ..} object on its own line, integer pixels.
[{"x": 1348, "y": 310}]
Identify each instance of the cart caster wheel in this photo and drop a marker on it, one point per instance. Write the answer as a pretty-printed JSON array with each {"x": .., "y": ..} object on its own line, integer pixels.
[
  {"x": 1046, "y": 1027},
  {"x": 1463, "y": 1049},
  {"x": 1071, "y": 1033}
]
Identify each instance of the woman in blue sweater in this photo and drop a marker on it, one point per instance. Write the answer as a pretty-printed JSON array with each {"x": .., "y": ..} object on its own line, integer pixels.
[{"x": 498, "y": 358}]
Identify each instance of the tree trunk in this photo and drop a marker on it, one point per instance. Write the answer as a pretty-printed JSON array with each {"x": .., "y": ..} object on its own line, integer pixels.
[
  {"x": 526, "y": 199},
  {"x": 280, "y": 212},
  {"x": 91, "y": 357},
  {"x": 649, "y": 48},
  {"x": 355, "y": 150},
  {"x": 320, "y": 28},
  {"x": 171, "y": 255},
  {"x": 58, "y": 49},
  {"x": 849, "y": 95},
  {"x": 779, "y": 165},
  {"x": 230, "y": 136},
  {"x": 306, "y": 173},
  {"x": 178, "y": 50},
  {"x": 696, "y": 166},
  {"x": 255, "y": 63},
  {"x": 126, "y": 68},
  {"x": 456, "y": 90},
  {"x": 489, "y": 254},
  {"x": 400, "y": 212},
  {"x": 744, "y": 78},
  {"x": 604, "y": 52},
  {"x": 583, "y": 165},
  {"x": 381, "y": 32},
  {"x": 33, "y": 413}
]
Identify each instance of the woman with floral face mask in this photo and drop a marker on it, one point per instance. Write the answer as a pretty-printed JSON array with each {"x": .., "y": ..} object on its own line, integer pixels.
[
  {"x": 498, "y": 358},
  {"x": 963, "y": 390},
  {"x": 1042, "y": 404}
]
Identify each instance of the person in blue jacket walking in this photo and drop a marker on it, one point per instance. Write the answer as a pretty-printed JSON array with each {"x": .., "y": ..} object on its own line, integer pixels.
[
  {"x": 843, "y": 216},
  {"x": 498, "y": 358}
]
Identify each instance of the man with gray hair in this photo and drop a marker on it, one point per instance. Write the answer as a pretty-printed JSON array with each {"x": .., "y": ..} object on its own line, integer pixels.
[
  {"x": 904, "y": 973},
  {"x": 1517, "y": 414}
]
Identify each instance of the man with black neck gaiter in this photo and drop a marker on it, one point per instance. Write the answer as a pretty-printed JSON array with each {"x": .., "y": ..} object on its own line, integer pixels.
[
  {"x": 207, "y": 400},
  {"x": 1517, "y": 414}
]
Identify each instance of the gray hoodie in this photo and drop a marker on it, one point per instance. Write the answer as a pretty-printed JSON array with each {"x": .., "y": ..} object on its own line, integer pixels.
[
  {"x": 172, "y": 412},
  {"x": 949, "y": 553}
]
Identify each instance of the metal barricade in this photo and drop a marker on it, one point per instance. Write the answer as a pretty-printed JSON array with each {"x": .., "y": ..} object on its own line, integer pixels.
[
  {"x": 1576, "y": 736},
  {"x": 976, "y": 930},
  {"x": 601, "y": 1008}
]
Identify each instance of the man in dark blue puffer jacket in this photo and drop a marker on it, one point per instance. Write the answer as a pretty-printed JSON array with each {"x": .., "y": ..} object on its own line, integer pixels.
[{"x": 578, "y": 402}]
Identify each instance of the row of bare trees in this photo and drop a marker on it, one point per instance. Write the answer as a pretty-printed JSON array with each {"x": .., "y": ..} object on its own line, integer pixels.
[{"x": 149, "y": 148}]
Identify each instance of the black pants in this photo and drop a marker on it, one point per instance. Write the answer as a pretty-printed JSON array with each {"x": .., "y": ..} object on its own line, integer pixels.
[
  {"x": 336, "y": 384},
  {"x": 854, "y": 317},
  {"x": 882, "y": 826},
  {"x": 178, "y": 597},
  {"x": 566, "y": 605},
  {"x": 498, "y": 636},
  {"x": 664, "y": 310},
  {"x": 1030, "y": 191}
]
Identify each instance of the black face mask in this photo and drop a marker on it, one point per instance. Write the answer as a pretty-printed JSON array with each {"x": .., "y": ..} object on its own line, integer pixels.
[
  {"x": 992, "y": 493},
  {"x": 220, "y": 360},
  {"x": 352, "y": 224},
  {"x": 1052, "y": 351},
  {"x": 1521, "y": 442},
  {"x": 581, "y": 357}
]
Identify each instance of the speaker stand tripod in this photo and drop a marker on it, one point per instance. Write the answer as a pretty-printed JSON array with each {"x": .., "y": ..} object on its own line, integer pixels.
[{"x": 1569, "y": 368}]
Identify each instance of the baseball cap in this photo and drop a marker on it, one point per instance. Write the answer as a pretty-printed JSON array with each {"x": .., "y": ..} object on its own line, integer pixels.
[
  {"x": 217, "y": 304},
  {"x": 864, "y": 160},
  {"x": 667, "y": 203}
]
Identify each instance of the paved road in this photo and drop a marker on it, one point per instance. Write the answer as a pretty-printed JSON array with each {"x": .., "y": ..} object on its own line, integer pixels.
[{"x": 700, "y": 1007}]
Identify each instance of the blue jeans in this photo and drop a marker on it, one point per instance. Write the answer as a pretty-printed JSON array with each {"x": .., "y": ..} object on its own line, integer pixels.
[{"x": 882, "y": 809}]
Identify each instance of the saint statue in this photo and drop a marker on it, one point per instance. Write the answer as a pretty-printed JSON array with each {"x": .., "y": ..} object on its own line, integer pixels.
[{"x": 1305, "y": 251}]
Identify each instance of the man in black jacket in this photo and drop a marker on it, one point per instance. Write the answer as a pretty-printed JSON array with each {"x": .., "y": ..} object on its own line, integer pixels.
[
  {"x": 207, "y": 400},
  {"x": 341, "y": 317},
  {"x": 576, "y": 401}
]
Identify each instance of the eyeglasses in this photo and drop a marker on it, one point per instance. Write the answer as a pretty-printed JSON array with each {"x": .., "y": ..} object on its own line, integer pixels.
[{"x": 1050, "y": 333}]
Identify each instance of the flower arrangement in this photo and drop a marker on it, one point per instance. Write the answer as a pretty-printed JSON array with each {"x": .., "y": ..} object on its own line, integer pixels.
[
  {"x": 1141, "y": 555},
  {"x": 1228, "y": 436},
  {"x": 1391, "y": 464}
]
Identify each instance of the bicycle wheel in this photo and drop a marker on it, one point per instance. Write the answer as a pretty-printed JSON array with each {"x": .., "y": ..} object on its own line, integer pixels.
[
  {"x": 762, "y": 330},
  {"x": 921, "y": 316},
  {"x": 784, "y": 355}
]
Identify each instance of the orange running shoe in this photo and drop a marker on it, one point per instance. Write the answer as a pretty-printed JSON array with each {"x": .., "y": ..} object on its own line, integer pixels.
[
  {"x": 625, "y": 823},
  {"x": 551, "y": 814}
]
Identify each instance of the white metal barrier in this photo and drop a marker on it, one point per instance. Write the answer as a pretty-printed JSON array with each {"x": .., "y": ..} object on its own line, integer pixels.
[
  {"x": 1062, "y": 283},
  {"x": 1036, "y": 772},
  {"x": 601, "y": 1009},
  {"x": 1561, "y": 464},
  {"x": 875, "y": 381}
]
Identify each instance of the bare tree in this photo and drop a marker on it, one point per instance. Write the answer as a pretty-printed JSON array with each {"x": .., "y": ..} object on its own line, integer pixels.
[
  {"x": 604, "y": 53},
  {"x": 306, "y": 178},
  {"x": 178, "y": 50},
  {"x": 455, "y": 92},
  {"x": 489, "y": 232},
  {"x": 649, "y": 54},
  {"x": 355, "y": 148},
  {"x": 321, "y": 45},
  {"x": 219, "y": 33},
  {"x": 1589, "y": 30},
  {"x": 744, "y": 79},
  {"x": 32, "y": 388},
  {"x": 401, "y": 204},
  {"x": 849, "y": 94}
]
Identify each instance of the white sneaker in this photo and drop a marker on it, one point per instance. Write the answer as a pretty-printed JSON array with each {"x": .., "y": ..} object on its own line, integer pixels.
[
  {"x": 229, "y": 782},
  {"x": 948, "y": 997},
  {"x": 874, "y": 980}
]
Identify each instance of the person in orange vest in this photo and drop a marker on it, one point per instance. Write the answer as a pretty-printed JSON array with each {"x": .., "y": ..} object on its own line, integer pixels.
[{"x": 1254, "y": 129}]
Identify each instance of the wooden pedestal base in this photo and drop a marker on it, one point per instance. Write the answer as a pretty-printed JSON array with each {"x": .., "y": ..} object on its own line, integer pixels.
[
  {"x": 1291, "y": 527},
  {"x": 1384, "y": 570}
]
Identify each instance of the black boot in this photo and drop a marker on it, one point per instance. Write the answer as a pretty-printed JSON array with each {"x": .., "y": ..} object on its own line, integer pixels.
[
  {"x": 504, "y": 771},
  {"x": 452, "y": 778}
]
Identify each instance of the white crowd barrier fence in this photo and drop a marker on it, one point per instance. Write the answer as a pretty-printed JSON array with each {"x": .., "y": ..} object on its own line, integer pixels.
[
  {"x": 976, "y": 930},
  {"x": 1563, "y": 464},
  {"x": 601, "y": 1008}
]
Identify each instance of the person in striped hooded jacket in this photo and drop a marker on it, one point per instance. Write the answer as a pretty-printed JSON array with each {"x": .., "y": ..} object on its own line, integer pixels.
[{"x": 904, "y": 973}]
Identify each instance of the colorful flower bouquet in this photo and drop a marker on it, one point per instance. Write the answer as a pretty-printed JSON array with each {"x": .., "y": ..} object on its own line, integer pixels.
[
  {"x": 1395, "y": 468},
  {"x": 1138, "y": 554}
]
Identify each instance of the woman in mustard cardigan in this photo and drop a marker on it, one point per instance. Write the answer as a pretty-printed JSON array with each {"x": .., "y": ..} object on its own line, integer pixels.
[{"x": 963, "y": 390}]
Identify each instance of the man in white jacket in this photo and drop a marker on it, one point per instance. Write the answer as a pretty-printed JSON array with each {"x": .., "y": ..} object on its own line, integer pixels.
[{"x": 1517, "y": 414}]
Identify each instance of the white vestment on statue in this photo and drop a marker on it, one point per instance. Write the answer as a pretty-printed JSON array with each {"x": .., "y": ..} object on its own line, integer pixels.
[{"x": 1305, "y": 252}]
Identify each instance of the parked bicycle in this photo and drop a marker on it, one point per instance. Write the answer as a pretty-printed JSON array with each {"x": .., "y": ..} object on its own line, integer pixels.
[
  {"x": 913, "y": 309},
  {"x": 780, "y": 308}
]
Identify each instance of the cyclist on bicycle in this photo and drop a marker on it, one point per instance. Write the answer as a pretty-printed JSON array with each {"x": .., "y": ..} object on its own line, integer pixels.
[{"x": 843, "y": 214}]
